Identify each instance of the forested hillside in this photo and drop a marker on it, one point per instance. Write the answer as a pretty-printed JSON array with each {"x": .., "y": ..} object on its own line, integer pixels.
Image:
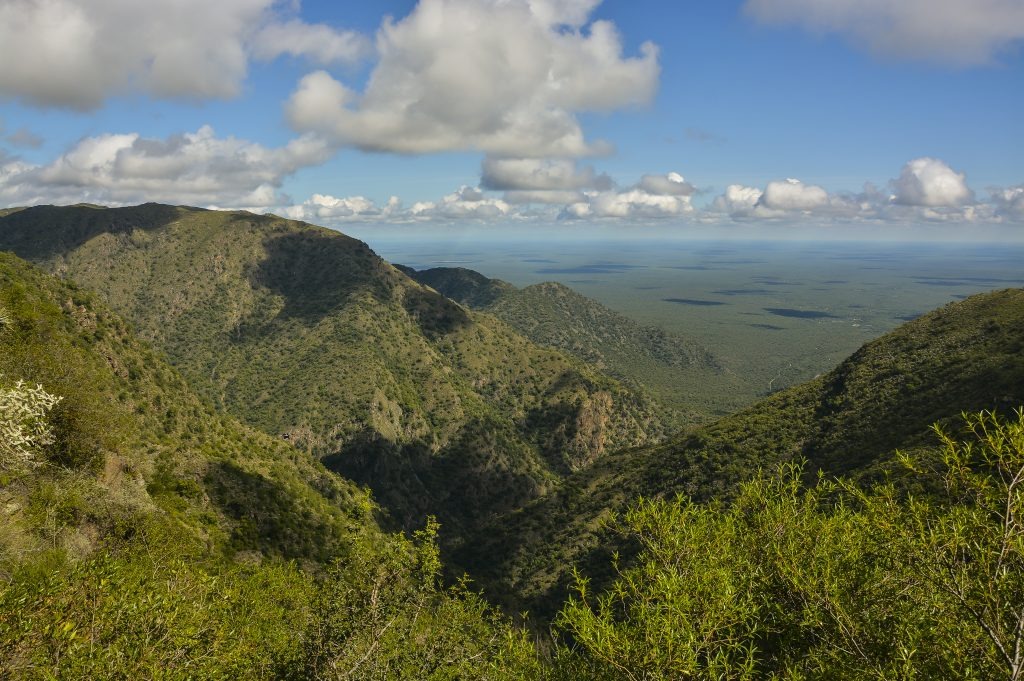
[
  {"x": 305, "y": 333},
  {"x": 687, "y": 378},
  {"x": 146, "y": 536},
  {"x": 965, "y": 356},
  {"x": 149, "y": 533}
]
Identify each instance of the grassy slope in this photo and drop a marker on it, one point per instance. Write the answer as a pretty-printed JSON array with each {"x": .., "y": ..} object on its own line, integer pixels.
[
  {"x": 966, "y": 356},
  {"x": 136, "y": 446},
  {"x": 676, "y": 370},
  {"x": 301, "y": 330}
]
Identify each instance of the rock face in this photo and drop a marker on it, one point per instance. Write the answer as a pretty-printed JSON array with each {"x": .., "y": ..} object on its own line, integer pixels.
[{"x": 301, "y": 330}]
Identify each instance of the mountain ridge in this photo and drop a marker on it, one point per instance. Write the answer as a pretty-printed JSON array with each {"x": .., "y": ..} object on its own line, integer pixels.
[{"x": 302, "y": 331}]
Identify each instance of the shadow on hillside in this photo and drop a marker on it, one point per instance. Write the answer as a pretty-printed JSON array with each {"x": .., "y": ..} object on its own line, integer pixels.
[
  {"x": 268, "y": 517},
  {"x": 464, "y": 484},
  {"x": 316, "y": 272},
  {"x": 41, "y": 232}
]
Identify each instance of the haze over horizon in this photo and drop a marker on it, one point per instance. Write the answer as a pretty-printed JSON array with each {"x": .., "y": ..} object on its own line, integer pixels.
[{"x": 762, "y": 118}]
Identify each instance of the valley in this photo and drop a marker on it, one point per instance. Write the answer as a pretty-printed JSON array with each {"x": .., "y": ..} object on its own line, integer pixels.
[{"x": 296, "y": 404}]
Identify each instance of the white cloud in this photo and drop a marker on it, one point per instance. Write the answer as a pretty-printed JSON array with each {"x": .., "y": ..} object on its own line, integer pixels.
[
  {"x": 1009, "y": 202},
  {"x": 317, "y": 42},
  {"x": 629, "y": 203},
  {"x": 930, "y": 182},
  {"x": 76, "y": 53},
  {"x": 956, "y": 32},
  {"x": 546, "y": 196},
  {"x": 465, "y": 203},
  {"x": 194, "y": 168},
  {"x": 793, "y": 195},
  {"x": 332, "y": 210},
  {"x": 502, "y": 76},
  {"x": 738, "y": 201},
  {"x": 927, "y": 190}
]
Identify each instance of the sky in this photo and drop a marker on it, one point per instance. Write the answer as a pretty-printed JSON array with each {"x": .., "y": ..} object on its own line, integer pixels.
[{"x": 835, "y": 117}]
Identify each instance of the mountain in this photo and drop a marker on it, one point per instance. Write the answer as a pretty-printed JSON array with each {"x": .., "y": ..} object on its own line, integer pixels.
[
  {"x": 679, "y": 372},
  {"x": 966, "y": 356},
  {"x": 305, "y": 333}
]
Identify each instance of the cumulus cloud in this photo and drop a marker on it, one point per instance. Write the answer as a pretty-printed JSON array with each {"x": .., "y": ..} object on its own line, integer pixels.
[
  {"x": 332, "y": 210},
  {"x": 506, "y": 77},
  {"x": 194, "y": 168},
  {"x": 545, "y": 181},
  {"x": 930, "y": 182},
  {"x": 656, "y": 196},
  {"x": 956, "y": 32},
  {"x": 464, "y": 203},
  {"x": 790, "y": 194},
  {"x": 737, "y": 200},
  {"x": 926, "y": 190},
  {"x": 76, "y": 53},
  {"x": 1009, "y": 202}
]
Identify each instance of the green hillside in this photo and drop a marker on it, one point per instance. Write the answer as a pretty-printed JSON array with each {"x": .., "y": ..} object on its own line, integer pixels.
[
  {"x": 136, "y": 441},
  {"x": 146, "y": 536},
  {"x": 305, "y": 333},
  {"x": 681, "y": 374},
  {"x": 965, "y": 356}
]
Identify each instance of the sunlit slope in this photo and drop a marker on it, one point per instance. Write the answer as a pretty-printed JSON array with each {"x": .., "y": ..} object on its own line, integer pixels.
[
  {"x": 966, "y": 356},
  {"x": 304, "y": 332},
  {"x": 681, "y": 374},
  {"x": 133, "y": 446}
]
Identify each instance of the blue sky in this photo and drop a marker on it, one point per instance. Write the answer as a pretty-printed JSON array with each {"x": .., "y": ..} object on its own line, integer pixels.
[{"x": 510, "y": 112}]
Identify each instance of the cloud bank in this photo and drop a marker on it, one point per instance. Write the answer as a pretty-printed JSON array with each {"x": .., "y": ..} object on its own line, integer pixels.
[{"x": 193, "y": 168}]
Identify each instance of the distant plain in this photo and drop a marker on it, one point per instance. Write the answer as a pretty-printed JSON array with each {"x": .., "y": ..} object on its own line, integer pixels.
[{"x": 776, "y": 313}]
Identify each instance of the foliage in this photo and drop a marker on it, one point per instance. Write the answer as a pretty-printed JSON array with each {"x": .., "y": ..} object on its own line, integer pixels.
[
  {"x": 964, "y": 356},
  {"x": 200, "y": 548},
  {"x": 830, "y": 581},
  {"x": 384, "y": 615}
]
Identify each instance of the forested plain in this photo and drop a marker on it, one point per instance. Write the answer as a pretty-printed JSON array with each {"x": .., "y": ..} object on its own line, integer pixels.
[{"x": 188, "y": 493}]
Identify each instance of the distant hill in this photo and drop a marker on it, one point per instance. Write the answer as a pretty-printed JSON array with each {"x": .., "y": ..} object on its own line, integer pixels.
[
  {"x": 966, "y": 356},
  {"x": 683, "y": 375},
  {"x": 305, "y": 333}
]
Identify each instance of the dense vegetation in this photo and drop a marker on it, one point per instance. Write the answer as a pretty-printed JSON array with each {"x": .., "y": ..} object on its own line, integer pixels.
[
  {"x": 966, "y": 355},
  {"x": 822, "y": 582},
  {"x": 147, "y": 534},
  {"x": 681, "y": 374},
  {"x": 303, "y": 332}
]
